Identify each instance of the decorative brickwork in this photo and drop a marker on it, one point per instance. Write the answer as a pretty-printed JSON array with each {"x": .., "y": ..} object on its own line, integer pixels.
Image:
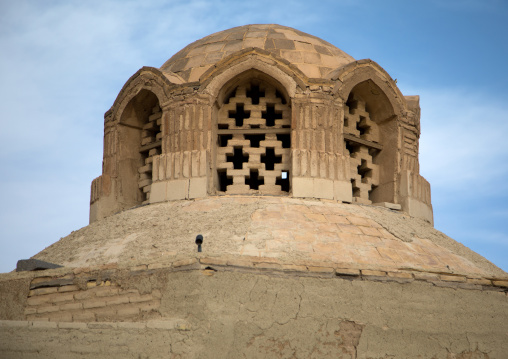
[
  {"x": 151, "y": 136},
  {"x": 362, "y": 141},
  {"x": 253, "y": 154}
]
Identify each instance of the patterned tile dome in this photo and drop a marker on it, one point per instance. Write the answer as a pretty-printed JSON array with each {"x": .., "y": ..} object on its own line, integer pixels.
[{"x": 311, "y": 55}]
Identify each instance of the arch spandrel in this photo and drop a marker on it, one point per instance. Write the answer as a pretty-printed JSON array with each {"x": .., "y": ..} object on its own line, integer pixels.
[
  {"x": 147, "y": 78},
  {"x": 349, "y": 76},
  {"x": 234, "y": 65}
]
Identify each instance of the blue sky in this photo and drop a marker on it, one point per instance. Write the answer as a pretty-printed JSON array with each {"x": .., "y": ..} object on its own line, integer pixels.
[{"x": 62, "y": 64}]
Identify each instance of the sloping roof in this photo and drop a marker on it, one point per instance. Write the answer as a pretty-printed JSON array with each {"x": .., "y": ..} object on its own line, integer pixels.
[{"x": 288, "y": 229}]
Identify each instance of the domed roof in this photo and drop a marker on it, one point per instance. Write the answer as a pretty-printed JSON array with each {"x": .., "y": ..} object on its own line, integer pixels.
[
  {"x": 293, "y": 231},
  {"x": 313, "y": 56}
]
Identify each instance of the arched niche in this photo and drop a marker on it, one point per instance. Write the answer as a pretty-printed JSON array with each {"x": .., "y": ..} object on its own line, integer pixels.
[
  {"x": 253, "y": 131},
  {"x": 139, "y": 132},
  {"x": 371, "y": 138}
]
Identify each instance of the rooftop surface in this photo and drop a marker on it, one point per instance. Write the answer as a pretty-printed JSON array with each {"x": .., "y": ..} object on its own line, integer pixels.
[
  {"x": 282, "y": 228},
  {"x": 311, "y": 55}
]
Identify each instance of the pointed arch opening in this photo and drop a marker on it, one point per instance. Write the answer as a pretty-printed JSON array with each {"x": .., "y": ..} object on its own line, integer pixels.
[
  {"x": 253, "y": 128},
  {"x": 370, "y": 134},
  {"x": 140, "y": 140}
]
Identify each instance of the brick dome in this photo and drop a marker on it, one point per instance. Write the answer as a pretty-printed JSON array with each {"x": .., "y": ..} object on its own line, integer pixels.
[{"x": 310, "y": 54}]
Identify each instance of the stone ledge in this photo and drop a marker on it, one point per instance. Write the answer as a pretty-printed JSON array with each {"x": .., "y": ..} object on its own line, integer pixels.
[{"x": 170, "y": 324}]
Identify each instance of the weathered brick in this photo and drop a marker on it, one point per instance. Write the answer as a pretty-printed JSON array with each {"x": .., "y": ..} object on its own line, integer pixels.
[
  {"x": 47, "y": 309},
  {"x": 30, "y": 310},
  {"x": 60, "y": 317},
  {"x": 148, "y": 306},
  {"x": 317, "y": 269},
  {"x": 500, "y": 283},
  {"x": 127, "y": 312},
  {"x": 426, "y": 276},
  {"x": 38, "y": 300},
  {"x": 479, "y": 281},
  {"x": 140, "y": 267},
  {"x": 83, "y": 316},
  {"x": 347, "y": 271},
  {"x": 68, "y": 288},
  {"x": 452, "y": 278},
  {"x": 294, "y": 267},
  {"x": 184, "y": 262},
  {"x": 106, "y": 291},
  {"x": 377, "y": 273},
  {"x": 212, "y": 260},
  {"x": 136, "y": 298},
  {"x": 159, "y": 265},
  {"x": 91, "y": 284},
  {"x": 404, "y": 275},
  {"x": 264, "y": 265},
  {"x": 116, "y": 300},
  {"x": 61, "y": 297},
  {"x": 240, "y": 262},
  {"x": 42, "y": 291},
  {"x": 83, "y": 295},
  {"x": 94, "y": 304},
  {"x": 359, "y": 221},
  {"x": 71, "y": 306}
]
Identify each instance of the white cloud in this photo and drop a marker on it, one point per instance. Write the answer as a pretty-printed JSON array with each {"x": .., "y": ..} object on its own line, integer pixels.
[{"x": 463, "y": 139}]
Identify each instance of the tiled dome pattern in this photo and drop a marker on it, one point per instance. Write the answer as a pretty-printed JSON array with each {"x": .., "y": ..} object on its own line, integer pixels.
[{"x": 313, "y": 56}]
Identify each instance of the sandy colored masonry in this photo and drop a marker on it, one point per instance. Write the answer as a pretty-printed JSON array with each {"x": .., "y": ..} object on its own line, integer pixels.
[
  {"x": 299, "y": 167},
  {"x": 261, "y": 109}
]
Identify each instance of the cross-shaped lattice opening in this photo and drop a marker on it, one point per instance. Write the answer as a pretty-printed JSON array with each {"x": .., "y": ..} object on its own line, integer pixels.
[
  {"x": 255, "y": 94},
  {"x": 224, "y": 179},
  {"x": 285, "y": 138},
  {"x": 223, "y": 140},
  {"x": 253, "y": 135},
  {"x": 283, "y": 181},
  {"x": 254, "y": 140},
  {"x": 364, "y": 171},
  {"x": 239, "y": 115},
  {"x": 270, "y": 115},
  {"x": 362, "y": 126},
  {"x": 238, "y": 158},
  {"x": 279, "y": 95},
  {"x": 254, "y": 180},
  {"x": 231, "y": 95},
  {"x": 270, "y": 159}
]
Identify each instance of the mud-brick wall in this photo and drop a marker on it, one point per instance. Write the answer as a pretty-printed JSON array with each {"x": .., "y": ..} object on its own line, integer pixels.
[
  {"x": 86, "y": 298},
  {"x": 221, "y": 310}
]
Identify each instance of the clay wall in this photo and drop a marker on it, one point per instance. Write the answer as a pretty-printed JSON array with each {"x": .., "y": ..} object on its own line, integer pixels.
[{"x": 231, "y": 307}]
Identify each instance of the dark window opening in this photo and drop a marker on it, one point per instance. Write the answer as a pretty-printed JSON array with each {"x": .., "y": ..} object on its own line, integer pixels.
[
  {"x": 231, "y": 95},
  {"x": 270, "y": 159},
  {"x": 223, "y": 140},
  {"x": 254, "y": 140},
  {"x": 279, "y": 95},
  {"x": 285, "y": 138},
  {"x": 224, "y": 180},
  {"x": 254, "y": 180},
  {"x": 352, "y": 148},
  {"x": 254, "y": 93},
  {"x": 283, "y": 181},
  {"x": 238, "y": 158},
  {"x": 270, "y": 115},
  {"x": 239, "y": 115}
]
